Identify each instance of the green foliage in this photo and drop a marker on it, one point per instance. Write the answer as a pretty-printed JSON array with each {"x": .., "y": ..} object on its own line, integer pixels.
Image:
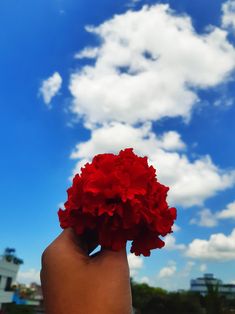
[
  {"x": 142, "y": 294},
  {"x": 12, "y": 308},
  {"x": 213, "y": 300},
  {"x": 151, "y": 300}
]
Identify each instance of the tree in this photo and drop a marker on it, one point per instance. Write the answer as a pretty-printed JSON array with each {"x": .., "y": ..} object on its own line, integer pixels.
[
  {"x": 12, "y": 308},
  {"x": 151, "y": 300},
  {"x": 213, "y": 300},
  {"x": 142, "y": 294}
]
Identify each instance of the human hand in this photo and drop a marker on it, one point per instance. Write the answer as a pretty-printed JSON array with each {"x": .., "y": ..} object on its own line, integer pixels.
[{"x": 75, "y": 283}]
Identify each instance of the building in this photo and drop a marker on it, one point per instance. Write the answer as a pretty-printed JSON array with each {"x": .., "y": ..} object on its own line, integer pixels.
[
  {"x": 202, "y": 284},
  {"x": 9, "y": 266}
]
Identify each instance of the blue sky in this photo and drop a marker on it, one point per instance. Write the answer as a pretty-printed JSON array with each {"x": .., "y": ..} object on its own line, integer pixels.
[{"x": 158, "y": 77}]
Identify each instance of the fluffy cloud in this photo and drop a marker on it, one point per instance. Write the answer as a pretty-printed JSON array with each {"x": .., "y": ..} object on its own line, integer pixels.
[
  {"x": 135, "y": 263},
  {"x": 88, "y": 52},
  {"x": 203, "y": 268},
  {"x": 219, "y": 247},
  {"x": 167, "y": 271},
  {"x": 228, "y": 17},
  {"x": 191, "y": 182},
  {"x": 50, "y": 87},
  {"x": 28, "y": 276},
  {"x": 206, "y": 218},
  {"x": 175, "y": 277},
  {"x": 114, "y": 136},
  {"x": 140, "y": 74},
  {"x": 170, "y": 243},
  {"x": 176, "y": 228},
  {"x": 228, "y": 212},
  {"x": 149, "y": 78}
]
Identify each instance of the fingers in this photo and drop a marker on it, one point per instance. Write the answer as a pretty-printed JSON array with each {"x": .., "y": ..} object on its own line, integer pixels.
[
  {"x": 73, "y": 241},
  {"x": 68, "y": 240},
  {"x": 86, "y": 242},
  {"x": 68, "y": 244}
]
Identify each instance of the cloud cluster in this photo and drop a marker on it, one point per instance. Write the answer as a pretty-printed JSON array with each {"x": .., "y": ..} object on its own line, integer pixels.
[
  {"x": 191, "y": 182},
  {"x": 50, "y": 87},
  {"x": 139, "y": 71},
  {"x": 228, "y": 212},
  {"x": 228, "y": 17},
  {"x": 206, "y": 218},
  {"x": 135, "y": 263},
  {"x": 219, "y": 247},
  {"x": 139, "y": 74},
  {"x": 168, "y": 271},
  {"x": 170, "y": 243},
  {"x": 151, "y": 64},
  {"x": 203, "y": 268}
]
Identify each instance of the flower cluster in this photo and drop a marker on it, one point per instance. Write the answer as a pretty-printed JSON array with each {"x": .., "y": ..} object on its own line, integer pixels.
[{"x": 118, "y": 198}]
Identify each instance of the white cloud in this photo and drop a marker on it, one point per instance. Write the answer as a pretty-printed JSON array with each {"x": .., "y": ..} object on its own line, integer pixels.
[
  {"x": 228, "y": 212},
  {"x": 150, "y": 78},
  {"x": 203, "y": 268},
  {"x": 167, "y": 271},
  {"x": 88, "y": 53},
  {"x": 176, "y": 228},
  {"x": 206, "y": 218},
  {"x": 142, "y": 138},
  {"x": 132, "y": 3},
  {"x": 170, "y": 243},
  {"x": 185, "y": 271},
  {"x": 171, "y": 141},
  {"x": 61, "y": 205},
  {"x": 28, "y": 276},
  {"x": 173, "y": 279},
  {"x": 224, "y": 102},
  {"x": 219, "y": 247},
  {"x": 140, "y": 73},
  {"x": 50, "y": 87},
  {"x": 228, "y": 17},
  {"x": 135, "y": 263},
  {"x": 191, "y": 182}
]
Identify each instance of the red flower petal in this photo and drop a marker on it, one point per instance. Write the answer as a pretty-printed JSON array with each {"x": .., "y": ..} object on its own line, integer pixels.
[{"x": 119, "y": 198}]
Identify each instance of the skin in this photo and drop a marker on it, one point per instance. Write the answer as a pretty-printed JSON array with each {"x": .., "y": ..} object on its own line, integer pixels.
[{"x": 74, "y": 282}]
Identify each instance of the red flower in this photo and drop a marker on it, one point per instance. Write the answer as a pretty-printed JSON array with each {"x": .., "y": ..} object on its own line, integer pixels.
[{"x": 118, "y": 198}]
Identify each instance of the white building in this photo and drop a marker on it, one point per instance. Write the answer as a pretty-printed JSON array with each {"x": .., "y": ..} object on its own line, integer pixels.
[
  {"x": 201, "y": 285},
  {"x": 9, "y": 265}
]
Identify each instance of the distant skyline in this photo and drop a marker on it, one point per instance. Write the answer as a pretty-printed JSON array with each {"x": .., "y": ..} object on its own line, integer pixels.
[{"x": 81, "y": 78}]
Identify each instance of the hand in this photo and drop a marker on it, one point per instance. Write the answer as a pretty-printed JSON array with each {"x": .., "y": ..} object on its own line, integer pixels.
[{"x": 75, "y": 283}]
